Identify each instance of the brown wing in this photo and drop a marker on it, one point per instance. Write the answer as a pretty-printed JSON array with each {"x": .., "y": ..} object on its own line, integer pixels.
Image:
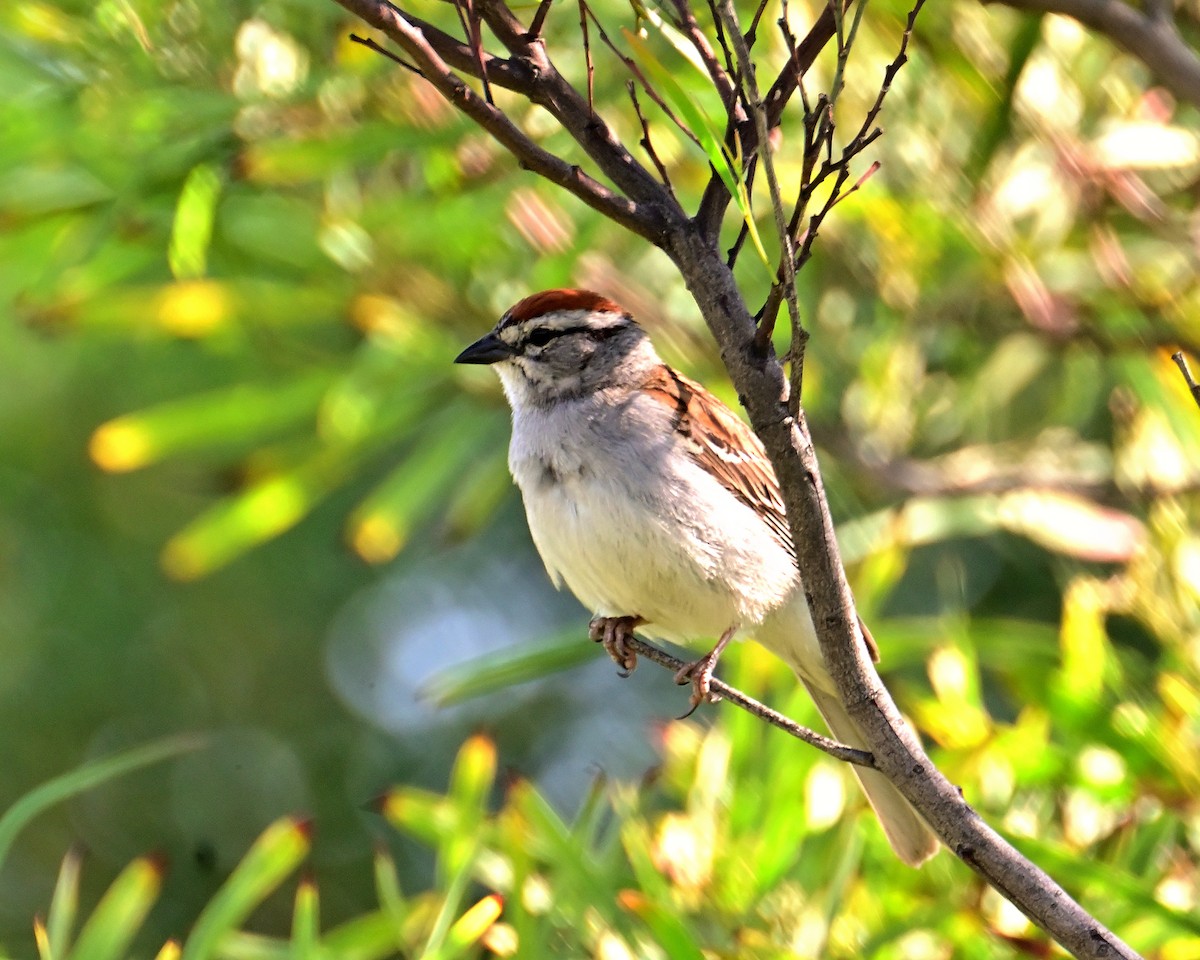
[
  {"x": 728, "y": 449},
  {"x": 724, "y": 446}
]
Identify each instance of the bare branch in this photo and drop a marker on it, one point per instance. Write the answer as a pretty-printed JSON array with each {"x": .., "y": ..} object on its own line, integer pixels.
[
  {"x": 839, "y": 751},
  {"x": 587, "y": 56},
  {"x": 806, "y": 53},
  {"x": 859, "y": 141},
  {"x": 1181, "y": 362},
  {"x": 539, "y": 18},
  {"x": 758, "y": 113},
  {"x": 1152, "y": 39},
  {"x": 636, "y": 71},
  {"x": 409, "y": 35},
  {"x": 570, "y": 109},
  {"x": 716, "y": 199},
  {"x": 470, "y": 24},
  {"x": 752, "y": 34},
  {"x": 510, "y": 74},
  {"x": 646, "y": 142},
  {"x": 385, "y": 52}
]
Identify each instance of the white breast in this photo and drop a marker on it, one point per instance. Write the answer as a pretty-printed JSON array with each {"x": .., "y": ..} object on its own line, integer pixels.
[{"x": 633, "y": 526}]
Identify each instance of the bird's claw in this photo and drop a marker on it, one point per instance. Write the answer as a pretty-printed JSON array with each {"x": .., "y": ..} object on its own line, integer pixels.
[
  {"x": 615, "y": 633},
  {"x": 699, "y": 673}
]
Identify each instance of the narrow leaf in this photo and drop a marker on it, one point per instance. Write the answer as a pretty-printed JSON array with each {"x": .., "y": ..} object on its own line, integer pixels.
[
  {"x": 119, "y": 916},
  {"x": 274, "y": 855},
  {"x": 509, "y": 667},
  {"x": 64, "y": 906},
  {"x": 82, "y": 778}
]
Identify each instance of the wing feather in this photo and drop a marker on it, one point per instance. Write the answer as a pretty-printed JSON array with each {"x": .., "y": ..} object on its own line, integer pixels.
[{"x": 721, "y": 443}]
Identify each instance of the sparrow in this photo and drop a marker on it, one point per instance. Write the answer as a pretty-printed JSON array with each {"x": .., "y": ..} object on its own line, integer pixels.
[{"x": 656, "y": 505}]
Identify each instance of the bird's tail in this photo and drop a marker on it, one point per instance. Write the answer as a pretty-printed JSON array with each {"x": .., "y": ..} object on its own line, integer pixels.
[{"x": 908, "y": 834}]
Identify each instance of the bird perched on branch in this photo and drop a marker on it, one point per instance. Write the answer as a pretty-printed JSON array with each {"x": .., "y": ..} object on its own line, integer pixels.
[{"x": 657, "y": 506}]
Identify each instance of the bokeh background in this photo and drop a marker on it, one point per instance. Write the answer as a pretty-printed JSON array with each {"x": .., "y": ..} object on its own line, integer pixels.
[{"x": 245, "y": 494}]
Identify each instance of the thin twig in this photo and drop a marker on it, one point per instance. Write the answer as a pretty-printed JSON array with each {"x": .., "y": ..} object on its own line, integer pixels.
[
  {"x": 730, "y": 68},
  {"x": 646, "y": 142},
  {"x": 889, "y": 74},
  {"x": 752, "y": 34},
  {"x": 743, "y": 228},
  {"x": 835, "y": 749},
  {"x": 428, "y": 46},
  {"x": 716, "y": 198},
  {"x": 634, "y": 69},
  {"x": 539, "y": 18},
  {"x": 758, "y": 113},
  {"x": 1182, "y": 363},
  {"x": 470, "y": 24},
  {"x": 383, "y": 51},
  {"x": 813, "y": 43},
  {"x": 587, "y": 56}
]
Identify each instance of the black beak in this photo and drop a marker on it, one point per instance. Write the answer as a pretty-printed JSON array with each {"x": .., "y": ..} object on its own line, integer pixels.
[{"x": 489, "y": 349}]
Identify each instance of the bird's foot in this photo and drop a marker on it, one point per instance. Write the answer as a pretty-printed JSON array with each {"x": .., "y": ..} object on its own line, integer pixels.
[
  {"x": 615, "y": 633},
  {"x": 699, "y": 673}
]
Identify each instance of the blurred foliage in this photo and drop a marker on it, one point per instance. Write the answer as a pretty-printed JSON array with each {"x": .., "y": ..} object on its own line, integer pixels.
[{"x": 237, "y": 252}]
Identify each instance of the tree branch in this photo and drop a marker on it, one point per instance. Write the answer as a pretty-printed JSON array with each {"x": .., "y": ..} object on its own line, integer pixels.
[
  {"x": 570, "y": 109},
  {"x": 839, "y": 751},
  {"x": 1151, "y": 37},
  {"x": 1186, "y": 371},
  {"x": 758, "y": 112},
  {"x": 716, "y": 198},
  {"x": 413, "y": 38}
]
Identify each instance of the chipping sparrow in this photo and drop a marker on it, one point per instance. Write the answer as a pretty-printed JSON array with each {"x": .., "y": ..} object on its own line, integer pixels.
[{"x": 657, "y": 505}]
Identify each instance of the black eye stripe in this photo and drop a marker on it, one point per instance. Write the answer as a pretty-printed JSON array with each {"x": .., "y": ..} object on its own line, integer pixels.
[{"x": 543, "y": 335}]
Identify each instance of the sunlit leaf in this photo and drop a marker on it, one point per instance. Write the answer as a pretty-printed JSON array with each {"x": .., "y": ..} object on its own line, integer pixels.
[
  {"x": 267, "y": 509},
  {"x": 119, "y": 916},
  {"x": 381, "y": 524},
  {"x": 306, "y": 921},
  {"x": 275, "y": 854},
  {"x": 243, "y": 414},
  {"x": 64, "y": 907},
  {"x": 192, "y": 230}
]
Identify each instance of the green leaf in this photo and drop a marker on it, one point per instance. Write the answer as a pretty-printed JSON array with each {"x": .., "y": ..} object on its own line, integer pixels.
[
  {"x": 64, "y": 907},
  {"x": 372, "y": 936},
  {"x": 243, "y": 414},
  {"x": 268, "y": 508},
  {"x": 380, "y": 526},
  {"x": 388, "y": 891},
  {"x": 91, "y": 774},
  {"x": 669, "y": 931},
  {"x": 467, "y": 929},
  {"x": 191, "y": 233},
  {"x": 306, "y": 922},
  {"x": 275, "y": 854},
  {"x": 117, "y": 918},
  {"x": 509, "y": 667}
]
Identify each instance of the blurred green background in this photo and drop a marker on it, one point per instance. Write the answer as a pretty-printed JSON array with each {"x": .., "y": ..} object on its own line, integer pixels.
[{"x": 244, "y": 493}]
